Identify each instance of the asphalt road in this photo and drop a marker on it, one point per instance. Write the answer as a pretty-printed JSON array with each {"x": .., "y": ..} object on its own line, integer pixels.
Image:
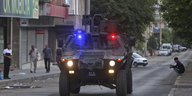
[{"x": 156, "y": 79}]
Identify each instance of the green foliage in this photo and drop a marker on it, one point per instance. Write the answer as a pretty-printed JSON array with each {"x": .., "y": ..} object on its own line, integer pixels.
[
  {"x": 167, "y": 36},
  {"x": 151, "y": 45},
  {"x": 139, "y": 45},
  {"x": 178, "y": 14},
  {"x": 132, "y": 16}
]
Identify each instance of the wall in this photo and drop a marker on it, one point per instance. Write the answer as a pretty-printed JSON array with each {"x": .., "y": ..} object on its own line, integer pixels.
[
  {"x": 77, "y": 7},
  {"x": 15, "y": 42}
]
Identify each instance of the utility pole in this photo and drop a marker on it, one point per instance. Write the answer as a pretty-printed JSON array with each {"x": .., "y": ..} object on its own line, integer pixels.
[
  {"x": 160, "y": 40},
  {"x": 146, "y": 41},
  {"x": 11, "y": 32},
  {"x": 87, "y": 12}
]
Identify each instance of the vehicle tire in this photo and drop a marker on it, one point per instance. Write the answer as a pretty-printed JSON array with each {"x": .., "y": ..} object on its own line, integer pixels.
[
  {"x": 121, "y": 83},
  {"x": 76, "y": 91},
  {"x": 135, "y": 64},
  {"x": 74, "y": 84},
  {"x": 129, "y": 81},
  {"x": 144, "y": 65},
  {"x": 64, "y": 84}
]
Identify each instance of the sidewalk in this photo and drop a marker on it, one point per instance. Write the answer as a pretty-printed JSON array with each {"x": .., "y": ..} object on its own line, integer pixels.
[
  {"x": 24, "y": 76},
  {"x": 183, "y": 84}
]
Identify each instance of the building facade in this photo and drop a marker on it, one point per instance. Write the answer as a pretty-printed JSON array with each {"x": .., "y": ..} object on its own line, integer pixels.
[
  {"x": 10, "y": 13},
  {"x": 47, "y": 22}
]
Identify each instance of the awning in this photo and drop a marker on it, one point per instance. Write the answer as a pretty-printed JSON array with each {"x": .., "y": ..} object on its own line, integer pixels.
[{"x": 55, "y": 11}]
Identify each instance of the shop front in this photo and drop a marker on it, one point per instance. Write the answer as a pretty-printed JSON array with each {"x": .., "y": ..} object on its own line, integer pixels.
[{"x": 3, "y": 38}]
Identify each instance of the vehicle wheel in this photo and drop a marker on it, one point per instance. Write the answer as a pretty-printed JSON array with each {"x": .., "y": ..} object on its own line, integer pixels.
[
  {"x": 74, "y": 84},
  {"x": 129, "y": 81},
  {"x": 144, "y": 65},
  {"x": 121, "y": 83},
  {"x": 64, "y": 84},
  {"x": 135, "y": 64}
]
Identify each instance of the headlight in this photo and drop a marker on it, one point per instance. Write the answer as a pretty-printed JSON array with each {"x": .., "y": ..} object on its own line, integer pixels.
[
  {"x": 112, "y": 63},
  {"x": 62, "y": 60},
  {"x": 70, "y": 63}
]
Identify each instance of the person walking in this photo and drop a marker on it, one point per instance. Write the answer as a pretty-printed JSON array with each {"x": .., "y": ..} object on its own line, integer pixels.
[
  {"x": 179, "y": 67},
  {"x": 7, "y": 53},
  {"x": 33, "y": 58},
  {"x": 47, "y": 57}
]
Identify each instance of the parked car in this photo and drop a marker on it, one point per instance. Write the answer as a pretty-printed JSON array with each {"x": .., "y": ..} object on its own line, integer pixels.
[
  {"x": 138, "y": 60},
  {"x": 176, "y": 48},
  {"x": 167, "y": 46},
  {"x": 163, "y": 52},
  {"x": 183, "y": 48}
]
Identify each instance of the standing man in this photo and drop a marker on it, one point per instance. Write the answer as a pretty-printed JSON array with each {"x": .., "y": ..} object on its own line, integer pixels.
[
  {"x": 7, "y": 53},
  {"x": 179, "y": 67},
  {"x": 34, "y": 58},
  {"x": 47, "y": 57}
]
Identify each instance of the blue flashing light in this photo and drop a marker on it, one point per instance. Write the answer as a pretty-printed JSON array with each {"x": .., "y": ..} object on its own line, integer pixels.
[{"x": 79, "y": 36}]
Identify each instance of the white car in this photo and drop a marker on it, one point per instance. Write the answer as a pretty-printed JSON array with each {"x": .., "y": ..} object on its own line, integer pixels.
[
  {"x": 138, "y": 60},
  {"x": 164, "y": 52},
  {"x": 183, "y": 48},
  {"x": 167, "y": 46},
  {"x": 176, "y": 48}
]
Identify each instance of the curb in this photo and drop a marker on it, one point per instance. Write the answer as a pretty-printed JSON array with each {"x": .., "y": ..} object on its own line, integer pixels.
[
  {"x": 172, "y": 92},
  {"x": 179, "y": 85},
  {"x": 29, "y": 79}
]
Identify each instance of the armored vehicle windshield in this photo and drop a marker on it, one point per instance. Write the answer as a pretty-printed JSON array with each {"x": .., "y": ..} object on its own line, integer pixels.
[{"x": 90, "y": 42}]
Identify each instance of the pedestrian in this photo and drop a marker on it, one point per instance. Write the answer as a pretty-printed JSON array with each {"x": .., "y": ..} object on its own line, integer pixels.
[
  {"x": 47, "y": 58},
  {"x": 179, "y": 67},
  {"x": 7, "y": 53},
  {"x": 33, "y": 58},
  {"x": 0, "y": 75}
]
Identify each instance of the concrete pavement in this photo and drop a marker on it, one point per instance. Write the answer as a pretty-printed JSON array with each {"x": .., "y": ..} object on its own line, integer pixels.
[
  {"x": 24, "y": 76},
  {"x": 183, "y": 83}
]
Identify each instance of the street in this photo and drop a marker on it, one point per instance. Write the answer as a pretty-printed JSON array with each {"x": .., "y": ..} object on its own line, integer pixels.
[{"x": 156, "y": 79}]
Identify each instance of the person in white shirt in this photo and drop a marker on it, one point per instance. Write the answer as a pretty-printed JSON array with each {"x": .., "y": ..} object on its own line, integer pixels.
[
  {"x": 7, "y": 53},
  {"x": 34, "y": 58}
]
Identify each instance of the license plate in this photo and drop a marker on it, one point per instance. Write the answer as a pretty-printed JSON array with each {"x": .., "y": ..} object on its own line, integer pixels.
[{"x": 92, "y": 74}]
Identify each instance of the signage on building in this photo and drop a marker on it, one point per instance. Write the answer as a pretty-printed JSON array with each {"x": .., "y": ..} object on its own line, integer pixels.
[
  {"x": 55, "y": 11},
  {"x": 40, "y": 31},
  {"x": 19, "y": 8},
  {"x": 24, "y": 22}
]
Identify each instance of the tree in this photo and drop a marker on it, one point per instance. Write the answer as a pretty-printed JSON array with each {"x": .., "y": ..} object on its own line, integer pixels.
[
  {"x": 167, "y": 36},
  {"x": 132, "y": 16},
  {"x": 151, "y": 45},
  {"x": 139, "y": 45},
  {"x": 179, "y": 16}
]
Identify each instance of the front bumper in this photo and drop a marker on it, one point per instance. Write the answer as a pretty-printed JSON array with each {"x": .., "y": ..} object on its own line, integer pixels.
[{"x": 142, "y": 63}]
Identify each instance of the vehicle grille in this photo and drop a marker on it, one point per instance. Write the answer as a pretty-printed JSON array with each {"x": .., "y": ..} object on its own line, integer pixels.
[
  {"x": 144, "y": 60},
  {"x": 91, "y": 64}
]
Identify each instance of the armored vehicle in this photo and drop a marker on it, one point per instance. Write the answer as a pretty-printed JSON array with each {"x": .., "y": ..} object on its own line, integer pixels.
[{"x": 96, "y": 59}]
